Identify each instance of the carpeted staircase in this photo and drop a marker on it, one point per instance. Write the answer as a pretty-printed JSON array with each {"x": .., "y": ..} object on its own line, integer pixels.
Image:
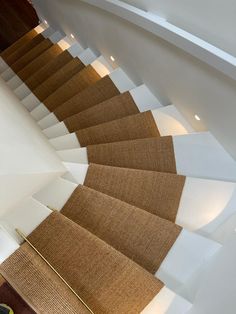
[{"x": 119, "y": 226}]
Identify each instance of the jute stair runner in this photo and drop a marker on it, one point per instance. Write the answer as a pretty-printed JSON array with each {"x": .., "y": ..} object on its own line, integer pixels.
[
  {"x": 73, "y": 86},
  {"x": 47, "y": 70},
  {"x": 92, "y": 95},
  {"x": 57, "y": 79},
  {"x": 156, "y": 192},
  {"x": 140, "y": 125},
  {"x": 141, "y": 236},
  {"x": 38, "y": 285},
  {"x": 38, "y": 62},
  {"x": 31, "y": 55},
  {"x": 105, "y": 279},
  {"x": 9, "y": 296},
  {"x": 115, "y": 108},
  {"x": 19, "y": 43},
  {"x": 22, "y": 50},
  {"x": 156, "y": 154}
]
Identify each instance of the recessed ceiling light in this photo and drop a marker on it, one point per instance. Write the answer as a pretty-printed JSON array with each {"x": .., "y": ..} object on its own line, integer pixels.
[
  {"x": 72, "y": 36},
  {"x": 197, "y": 117},
  {"x": 112, "y": 58},
  {"x": 45, "y": 22}
]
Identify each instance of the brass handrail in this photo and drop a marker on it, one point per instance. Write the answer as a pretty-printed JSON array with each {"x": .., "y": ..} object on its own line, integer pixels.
[{"x": 54, "y": 270}]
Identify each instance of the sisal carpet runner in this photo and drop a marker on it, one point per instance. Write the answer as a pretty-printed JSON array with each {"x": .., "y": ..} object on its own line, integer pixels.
[
  {"x": 115, "y": 108},
  {"x": 48, "y": 70},
  {"x": 156, "y": 192},
  {"x": 73, "y": 86},
  {"x": 38, "y": 284},
  {"x": 107, "y": 281},
  {"x": 156, "y": 154},
  {"x": 36, "y": 64},
  {"x": 140, "y": 125},
  {"x": 21, "y": 51},
  {"x": 18, "y": 44},
  {"x": 93, "y": 95},
  {"x": 60, "y": 77},
  {"x": 11, "y": 298},
  {"x": 141, "y": 236},
  {"x": 31, "y": 55}
]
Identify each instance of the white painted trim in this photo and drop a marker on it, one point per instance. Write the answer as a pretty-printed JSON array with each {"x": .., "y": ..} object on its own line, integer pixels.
[
  {"x": 200, "y": 155},
  {"x": 75, "y": 50},
  {"x": 22, "y": 91},
  {"x": 3, "y": 65},
  {"x": 206, "y": 204},
  {"x": 101, "y": 66},
  {"x": 167, "y": 302},
  {"x": 67, "y": 141},
  {"x": 169, "y": 121},
  {"x": 39, "y": 112},
  {"x": 77, "y": 155},
  {"x": 7, "y": 74},
  {"x": 188, "y": 254},
  {"x": 7, "y": 245},
  {"x": 56, "y": 130},
  {"x": 77, "y": 171},
  {"x": 87, "y": 56},
  {"x": 14, "y": 82},
  {"x": 48, "y": 120},
  {"x": 30, "y": 102},
  {"x": 144, "y": 99},
  {"x": 56, "y": 193},
  {"x": 56, "y": 37},
  {"x": 26, "y": 217},
  {"x": 47, "y": 32},
  {"x": 158, "y": 26},
  {"x": 121, "y": 80}
]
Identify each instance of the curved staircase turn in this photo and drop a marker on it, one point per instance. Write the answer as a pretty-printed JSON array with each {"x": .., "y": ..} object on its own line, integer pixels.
[{"x": 132, "y": 220}]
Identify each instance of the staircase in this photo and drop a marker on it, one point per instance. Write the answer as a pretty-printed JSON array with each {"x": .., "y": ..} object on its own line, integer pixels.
[{"x": 138, "y": 214}]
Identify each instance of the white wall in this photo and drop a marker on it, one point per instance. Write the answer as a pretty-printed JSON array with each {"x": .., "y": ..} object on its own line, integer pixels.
[
  {"x": 172, "y": 75},
  {"x": 27, "y": 161},
  {"x": 217, "y": 292},
  {"x": 211, "y": 20}
]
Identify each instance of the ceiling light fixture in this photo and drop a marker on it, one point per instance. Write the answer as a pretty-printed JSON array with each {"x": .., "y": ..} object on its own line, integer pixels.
[
  {"x": 45, "y": 22},
  {"x": 112, "y": 58},
  {"x": 72, "y": 36},
  {"x": 197, "y": 117}
]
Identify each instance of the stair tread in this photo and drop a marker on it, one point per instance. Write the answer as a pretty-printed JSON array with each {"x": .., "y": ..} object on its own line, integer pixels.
[
  {"x": 19, "y": 43},
  {"x": 157, "y": 192},
  {"x": 106, "y": 280},
  {"x": 92, "y": 95},
  {"x": 38, "y": 285},
  {"x": 71, "y": 87},
  {"x": 141, "y": 236},
  {"x": 156, "y": 154},
  {"x": 48, "y": 70},
  {"x": 140, "y": 125},
  {"x": 39, "y": 61},
  {"x": 22, "y": 50},
  {"x": 112, "y": 109},
  {"x": 56, "y": 80}
]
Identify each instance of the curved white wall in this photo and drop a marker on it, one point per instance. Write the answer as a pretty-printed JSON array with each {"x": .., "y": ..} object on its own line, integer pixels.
[
  {"x": 211, "y": 20},
  {"x": 27, "y": 161}
]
